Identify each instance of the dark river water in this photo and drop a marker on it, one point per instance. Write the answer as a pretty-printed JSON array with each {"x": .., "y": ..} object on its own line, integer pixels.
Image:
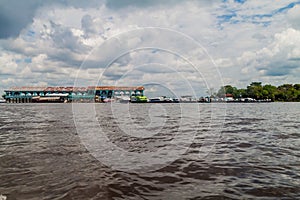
[{"x": 150, "y": 151}]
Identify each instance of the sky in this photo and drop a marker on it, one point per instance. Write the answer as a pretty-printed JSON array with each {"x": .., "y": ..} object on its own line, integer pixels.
[{"x": 177, "y": 47}]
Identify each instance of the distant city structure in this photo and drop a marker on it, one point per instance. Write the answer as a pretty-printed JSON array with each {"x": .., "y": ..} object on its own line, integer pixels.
[{"x": 70, "y": 94}]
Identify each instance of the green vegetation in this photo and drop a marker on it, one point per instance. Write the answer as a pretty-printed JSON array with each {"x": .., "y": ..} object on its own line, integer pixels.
[{"x": 285, "y": 92}]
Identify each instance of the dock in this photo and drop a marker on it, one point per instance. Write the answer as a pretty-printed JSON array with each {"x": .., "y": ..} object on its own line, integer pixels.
[{"x": 69, "y": 94}]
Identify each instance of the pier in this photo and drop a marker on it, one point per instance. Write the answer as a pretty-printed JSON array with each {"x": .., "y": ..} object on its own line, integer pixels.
[{"x": 69, "y": 94}]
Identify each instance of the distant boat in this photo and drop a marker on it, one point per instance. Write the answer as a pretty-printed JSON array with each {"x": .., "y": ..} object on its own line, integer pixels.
[
  {"x": 124, "y": 99},
  {"x": 2, "y": 101},
  {"x": 163, "y": 99},
  {"x": 108, "y": 100},
  {"x": 138, "y": 99},
  {"x": 48, "y": 99},
  {"x": 155, "y": 100},
  {"x": 188, "y": 99}
]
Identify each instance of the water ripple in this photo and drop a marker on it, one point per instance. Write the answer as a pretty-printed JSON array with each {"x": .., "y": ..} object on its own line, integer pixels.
[{"x": 256, "y": 156}]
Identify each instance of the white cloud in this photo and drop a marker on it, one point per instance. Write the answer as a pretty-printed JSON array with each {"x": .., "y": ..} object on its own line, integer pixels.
[
  {"x": 8, "y": 63},
  {"x": 278, "y": 59},
  {"x": 293, "y": 16},
  {"x": 250, "y": 40}
]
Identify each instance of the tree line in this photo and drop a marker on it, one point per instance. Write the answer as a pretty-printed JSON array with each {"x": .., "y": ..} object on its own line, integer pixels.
[{"x": 285, "y": 92}]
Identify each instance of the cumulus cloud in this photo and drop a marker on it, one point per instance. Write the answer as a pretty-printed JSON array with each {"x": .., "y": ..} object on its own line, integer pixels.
[
  {"x": 278, "y": 62},
  {"x": 15, "y": 15},
  {"x": 293, "y": 16},
  {"x": 116, "y": 4},
  {"x": 283, "y": 53}
]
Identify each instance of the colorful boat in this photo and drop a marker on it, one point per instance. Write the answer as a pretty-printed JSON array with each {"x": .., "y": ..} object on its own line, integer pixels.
[{"x": 138, "y": 99}]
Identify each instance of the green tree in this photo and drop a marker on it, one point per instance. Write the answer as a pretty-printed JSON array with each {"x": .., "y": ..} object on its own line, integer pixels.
[
  {"x": 297, "y": 88},
  {"x": 221, "y": 92},
  {"x": 255, "y": 90},
  {"x": 286, "y": 92},
  {"x": 228, "y": 89},
  {"x": 269, "y": 92},
  {"x": 242, "y": 93}
]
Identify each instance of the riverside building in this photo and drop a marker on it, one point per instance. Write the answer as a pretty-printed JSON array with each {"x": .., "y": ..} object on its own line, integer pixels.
[{"x": 70, "y": 94}]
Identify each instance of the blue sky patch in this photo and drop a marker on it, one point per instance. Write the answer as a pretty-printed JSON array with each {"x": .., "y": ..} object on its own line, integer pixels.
[
  {"x": 240, "y": 1},
  {"x": 255, "y": 18},
  {"x": 27, "y": 60}
]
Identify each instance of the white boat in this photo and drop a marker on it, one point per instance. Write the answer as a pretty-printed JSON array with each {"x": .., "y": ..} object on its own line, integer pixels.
[
  {"x": 57, "y": 95},
  {"x": 156, "y": 100},
  {"x": 108, "y": 100},
  {"x": 2, "y": 101},
  {"x": 124, "y": 99},
  {"x": 163, "y": 99}
]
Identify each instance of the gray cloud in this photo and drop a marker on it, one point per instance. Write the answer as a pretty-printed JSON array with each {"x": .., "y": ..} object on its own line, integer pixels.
[
  {"x": 23, "y": 12},
  {"x": 116, "y": 4},
  {"x": 280, "y": 69},
  {"x": 63, "y": 38},
  {"x": 90, "y": 27},
  {"x": 16, "y": 15}
]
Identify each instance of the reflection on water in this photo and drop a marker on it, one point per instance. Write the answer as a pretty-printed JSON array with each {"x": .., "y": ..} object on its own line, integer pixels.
[{"x": 252, "y": 152}]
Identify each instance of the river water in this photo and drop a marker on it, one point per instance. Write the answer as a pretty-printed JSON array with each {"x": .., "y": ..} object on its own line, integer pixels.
[{"x": 150, "y": 151}]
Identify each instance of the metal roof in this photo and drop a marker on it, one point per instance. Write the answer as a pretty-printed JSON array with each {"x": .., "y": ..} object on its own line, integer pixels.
[
  {"x": 116, "y": 88},
  {"x": 71, "y": 89}
]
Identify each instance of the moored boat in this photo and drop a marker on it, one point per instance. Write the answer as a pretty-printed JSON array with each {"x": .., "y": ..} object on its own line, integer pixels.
[
  {"x": 108, "y": 100},
  {"x": 124, "y": 99},
  {"x": 163, "y": 99},
  {"x": 48, "y": 99},
  {"x": 138, "y": 99}
]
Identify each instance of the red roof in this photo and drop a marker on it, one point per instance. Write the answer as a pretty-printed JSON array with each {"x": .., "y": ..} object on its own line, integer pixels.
[
  {"x": 70, "y": 89},
  {"x": 116, "y": 88}
]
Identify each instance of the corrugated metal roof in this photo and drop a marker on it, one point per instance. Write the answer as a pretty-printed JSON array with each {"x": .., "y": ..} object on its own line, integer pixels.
[
  {"x": 70, "y": 89},
  {"x": 25, "y": 88},
  {"x": 116, "y": 88}
]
